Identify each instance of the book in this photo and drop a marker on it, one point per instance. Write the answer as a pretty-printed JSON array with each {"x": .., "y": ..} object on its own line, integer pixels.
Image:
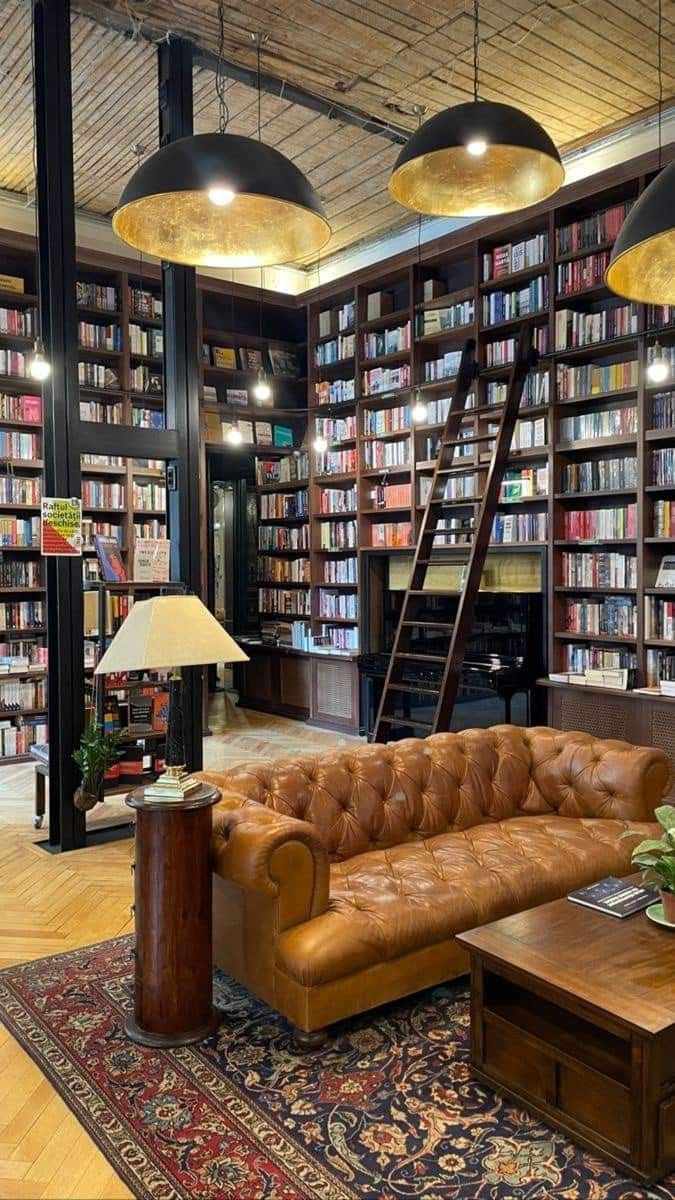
[
  {"x": 615, "y": 897},
  {"x": 263, "y": 433},
  {"x": 666, "y": 575},
  {"x": 283, "y": 362},
  {"x": 160, "y": 712},
  {"x": 250, "y": 358},
  {"x": 283, "y": 435},
  {"x": 110, "y": 559},
  {"x": 151, "y": 560},
  {"x": 12, "y": 283},
  {"x": 246, "y": 430},
  {"x": 225, "y": 356},
  {"x": 236, "y": 396}
]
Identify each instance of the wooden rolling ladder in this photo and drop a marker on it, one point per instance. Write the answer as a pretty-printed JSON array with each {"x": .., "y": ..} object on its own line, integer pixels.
[{"x": 413, "y": 672}]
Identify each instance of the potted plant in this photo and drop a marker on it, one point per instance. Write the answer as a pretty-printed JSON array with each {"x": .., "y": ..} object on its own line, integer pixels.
[
  {"x": 98, "y": 751},
  {"x": 657, "y": 856}
]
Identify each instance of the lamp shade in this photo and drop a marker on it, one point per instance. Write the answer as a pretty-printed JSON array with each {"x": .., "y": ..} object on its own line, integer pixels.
[
  {"x": 220, "y": 200},
  {"x": 642, "y": 265},
  {"x": 475, "y": 159},
  {"x": 169, "y": 631}
]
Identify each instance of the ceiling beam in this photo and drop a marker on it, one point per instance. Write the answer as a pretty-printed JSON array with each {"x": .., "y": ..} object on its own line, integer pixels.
[{"x": 100, "y": 12}]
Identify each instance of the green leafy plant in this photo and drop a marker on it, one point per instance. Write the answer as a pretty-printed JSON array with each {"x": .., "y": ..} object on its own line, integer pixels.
[
  {"x": 98, "y": 751},
  {"x": 657, "y": 855}
]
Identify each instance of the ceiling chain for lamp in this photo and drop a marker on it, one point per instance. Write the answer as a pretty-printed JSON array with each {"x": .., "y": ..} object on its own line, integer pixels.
[
  {"x": 642, "y": 264},
  {"x": 477, "y": 158}
]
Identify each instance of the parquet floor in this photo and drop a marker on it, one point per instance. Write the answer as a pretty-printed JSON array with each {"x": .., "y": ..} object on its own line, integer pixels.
[{"x": 49, "y": 904}]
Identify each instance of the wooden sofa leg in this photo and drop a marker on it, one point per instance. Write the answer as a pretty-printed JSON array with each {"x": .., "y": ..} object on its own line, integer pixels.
[{"x": 309, "y": 1041}]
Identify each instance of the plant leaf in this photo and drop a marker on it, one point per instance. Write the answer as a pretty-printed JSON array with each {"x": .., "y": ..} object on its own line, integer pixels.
[{"x": 665, "y": 816}]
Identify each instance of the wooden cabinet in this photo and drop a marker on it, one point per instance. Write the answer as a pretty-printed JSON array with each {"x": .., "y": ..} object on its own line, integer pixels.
[{"x": 323, "y": 689}]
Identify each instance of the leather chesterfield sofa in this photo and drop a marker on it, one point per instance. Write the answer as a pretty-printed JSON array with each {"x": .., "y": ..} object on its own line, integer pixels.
[{"x": 341, "y": 879}]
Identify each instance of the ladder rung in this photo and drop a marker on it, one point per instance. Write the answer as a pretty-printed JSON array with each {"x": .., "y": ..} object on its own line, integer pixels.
[
  {"x": 384, "y": 720},
  {"x": 431, "y": 592},
  {"x": 487, "y": 437},
  {"x": 408, "y": 656},
  {"x": 427, "y": 624}
]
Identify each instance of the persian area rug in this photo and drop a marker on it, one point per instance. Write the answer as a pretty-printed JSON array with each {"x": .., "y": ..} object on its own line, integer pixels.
[{"x": 387, "y": 1111}]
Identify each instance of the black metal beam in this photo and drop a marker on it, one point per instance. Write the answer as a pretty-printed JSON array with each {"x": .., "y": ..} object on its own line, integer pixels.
[
  {"x": 56, "y": 282},
  {"x": 181, "y": 381},
  {"x": 127, "y": 441}
]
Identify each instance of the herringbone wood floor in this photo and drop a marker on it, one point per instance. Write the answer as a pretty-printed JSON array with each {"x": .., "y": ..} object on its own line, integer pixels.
[{"x": 49, "y": 904}]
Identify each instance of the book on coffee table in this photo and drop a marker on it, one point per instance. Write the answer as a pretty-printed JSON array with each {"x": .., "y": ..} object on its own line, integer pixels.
[{"x": 615, "y": 896}]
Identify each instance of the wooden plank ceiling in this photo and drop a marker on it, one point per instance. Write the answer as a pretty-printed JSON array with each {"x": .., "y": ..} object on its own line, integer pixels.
[{"x": 578, "y": 67}]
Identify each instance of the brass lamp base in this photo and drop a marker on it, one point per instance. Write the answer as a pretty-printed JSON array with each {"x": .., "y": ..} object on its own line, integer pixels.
[{"x": 174, "y": 784}]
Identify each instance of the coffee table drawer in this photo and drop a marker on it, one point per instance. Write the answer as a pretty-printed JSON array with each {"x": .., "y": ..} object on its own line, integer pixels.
[
  {"x": 599, "y": 1103},
  {"x": 517, "y": 1062}
]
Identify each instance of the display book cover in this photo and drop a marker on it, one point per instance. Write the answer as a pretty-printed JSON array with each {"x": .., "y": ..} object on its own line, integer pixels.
[{"x": 617, "y": 897}]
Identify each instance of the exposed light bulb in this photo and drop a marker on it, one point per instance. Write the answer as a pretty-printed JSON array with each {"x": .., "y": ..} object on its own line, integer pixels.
[
  {"x": 234, "y": 436},
  {"x": 477, "y": 147},
  {"x": 261, "y": 388},
  {"x": 39, "y": 367},
  {"x": 320, "y": 445},
  {"x": 658, "y": 369},
  {"x": 419, "y": 412},
  {"x": 221, "y": 196}
]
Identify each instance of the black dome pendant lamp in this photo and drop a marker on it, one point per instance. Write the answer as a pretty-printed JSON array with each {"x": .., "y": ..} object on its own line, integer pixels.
[
  {"x": 476, "y": 159},
  {"x": 220, "y": 200},
  {"x": 642, "y": 264}
]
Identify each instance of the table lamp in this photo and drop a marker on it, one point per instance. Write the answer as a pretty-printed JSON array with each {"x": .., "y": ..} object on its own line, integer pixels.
[{"x": 170, "y": 632}]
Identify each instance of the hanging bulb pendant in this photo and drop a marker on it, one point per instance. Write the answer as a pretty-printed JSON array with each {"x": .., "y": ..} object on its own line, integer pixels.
[{"x": 39, "y": 367}]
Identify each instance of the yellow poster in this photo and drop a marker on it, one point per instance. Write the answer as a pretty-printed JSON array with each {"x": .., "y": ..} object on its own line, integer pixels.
[{"x": 61, "y": 526}]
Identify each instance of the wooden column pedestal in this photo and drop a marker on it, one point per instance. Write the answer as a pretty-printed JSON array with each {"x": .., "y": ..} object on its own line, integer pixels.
[{"x": 173, "y": 1002}]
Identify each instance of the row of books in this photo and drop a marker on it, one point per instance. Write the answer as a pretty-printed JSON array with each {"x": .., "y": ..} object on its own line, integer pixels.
[
  {"x": 19, "y": 531},
  {"x": 338, "y": 604},
  {"x": 660, "y": 315},
  {"x": 458, "y": 487},
  {"x": 295, "y": 603},
  {"x": 92, "y": 529},
  {"x": 605, "y": 423},
  {"x": 527, "y": 435},
  {"x": 96, "y": 494},
  {"x": 503, "y": 352},
  {"x": 615, "y": 616},
  {"x": 598, "y": 569},
  {"x": 102, "y": 413},
  {"x": 155, "y": 529},
  {"x": 98, "y": 375},
  {"x": 594, "y": 230},
  {"x": 20, "y": 573},
  {"x": 445, "y": 367},
  {"x": 337, "y": 500},
  {"x": 336, "y": 462},
  {"x": 663, "y": 410},
  {"x": 149, "y": 495},
  {"x": 663, "y": 466},
  {"x": 283, "y": 570},
  {"x": 20, "y": 489},
  {"x": 391, "y": 495},
  {"x": 386, "y": 341},
  {"x": 504, "y": 306},
  {"x": 438, "y": 409},
  {"x": 337, "y": 319},
  {"x": 386, "y": 420},
  {"x": 581, "y": 273},
  {"x": 664, "y": 518},
  {"x": 341, "y": 570},
  {"x": 99, "y": 337},
  {"x": 535, "y": 390},
  {"x": 659, "y": 664},
  {"x": 515, "y": 256},
  {"x": 344, "y": 638},
  {"x": 600, "y": 474},
  {"x": 524, "y": 484},
  {"x": 380, "y": 455},
  {"x": 335, "y": 391},
  {"x": 143, "y": 303},
  {"x": 21, "y": 408},
  {"x": 600, "y": 523},
  {"x": 659, "y": 618},
  {"x": 283, "y": 537},
  {"x": 146, "y": 418},
  {"x": 338, "y": 535},
  {"x": 21, "y": 614},
  {"x": 336, "y": 429},
  {"x": 19, "y": 322},
  {"x": 283, "y": 506},
  {"x": 17, "y": 695},
  {"x": 391, "y": 534},
  {"x": 575, "y": 329},
  {"x": 580, "y": 658},
  {"x": 146, "y": 379},
  {"x": 258, "y": 433},
  {"x": 386, "y": 379},
  {"x": 14, "y": 363},
  {"x": 437, "y": 320},
  {"x": 28, "y": 650},
  {"x": 511, "y": 528},
  {"x": 294, "y": 468},
  {"x": 339, "y": 348},
  {"x": 105, "y": 460},
  {"x": 296, "y": 634},
  {"x": 18, "y": 739},
  {"x": 96, "y": 295},
  {"x": 148, "y": 342},
  {"x": 591, "y": 379}
]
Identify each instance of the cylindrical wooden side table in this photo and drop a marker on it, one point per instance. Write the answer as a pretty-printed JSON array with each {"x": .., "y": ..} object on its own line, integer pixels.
[{"x": 173, "y": 996}]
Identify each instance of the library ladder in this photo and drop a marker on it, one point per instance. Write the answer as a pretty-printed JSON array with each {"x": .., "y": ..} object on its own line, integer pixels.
[{"x": 415, "y": 677}]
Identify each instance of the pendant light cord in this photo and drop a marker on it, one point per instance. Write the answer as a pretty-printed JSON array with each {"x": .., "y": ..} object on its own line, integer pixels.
[
  {"x": 223, "y": 110},
  {"x": 476, "y": 46},
  {"x": 659, "y": 59},
  {"x": 38, "y": 273}
]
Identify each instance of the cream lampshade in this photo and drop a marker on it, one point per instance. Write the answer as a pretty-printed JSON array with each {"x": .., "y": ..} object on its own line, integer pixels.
[{"x": 170, "y": 632}]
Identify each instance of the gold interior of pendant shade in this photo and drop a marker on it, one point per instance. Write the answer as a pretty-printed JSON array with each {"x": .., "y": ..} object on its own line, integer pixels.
[
  {"x": 453, "y": 183},
  {"x": 645, "y": 272},
  {"x": 186, "y": 227}
]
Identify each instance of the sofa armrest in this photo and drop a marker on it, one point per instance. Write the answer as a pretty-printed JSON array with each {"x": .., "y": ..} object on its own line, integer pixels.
[{"x": 277, "y": 856}]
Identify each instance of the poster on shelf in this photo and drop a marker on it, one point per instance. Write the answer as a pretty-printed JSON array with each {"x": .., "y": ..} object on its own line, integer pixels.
[
  {"x": 151, "y": 560},
  {"x": 61, "y": 527}
]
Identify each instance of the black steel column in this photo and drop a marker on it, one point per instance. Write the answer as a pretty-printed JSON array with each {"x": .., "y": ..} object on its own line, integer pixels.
[
  {"x": 57, "y": 277},
  {"x": 181, "y": 376}
]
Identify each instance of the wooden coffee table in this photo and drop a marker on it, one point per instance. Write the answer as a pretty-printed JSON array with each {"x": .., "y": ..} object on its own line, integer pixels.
[{"x": 573, "y": 1016}]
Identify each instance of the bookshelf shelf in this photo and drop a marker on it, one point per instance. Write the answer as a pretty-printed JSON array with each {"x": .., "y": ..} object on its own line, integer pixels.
[
  {"x": 384, "y": 321},
  {"x": 513, "y": 278},
  {"x": 24, "y": 464},
  {"x": 570, "y": 635},
  {"x": 601, "y": 443}
]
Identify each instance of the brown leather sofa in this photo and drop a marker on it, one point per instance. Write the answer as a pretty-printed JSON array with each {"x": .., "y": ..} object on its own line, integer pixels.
[{"x": 342, "y": 878}]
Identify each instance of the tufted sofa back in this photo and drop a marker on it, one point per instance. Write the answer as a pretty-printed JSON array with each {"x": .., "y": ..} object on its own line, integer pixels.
[{"x": 373, "y": 797}]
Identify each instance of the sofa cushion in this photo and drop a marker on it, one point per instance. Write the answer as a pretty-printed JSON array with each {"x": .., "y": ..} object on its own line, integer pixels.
[{"x": 387, "y": 903}]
